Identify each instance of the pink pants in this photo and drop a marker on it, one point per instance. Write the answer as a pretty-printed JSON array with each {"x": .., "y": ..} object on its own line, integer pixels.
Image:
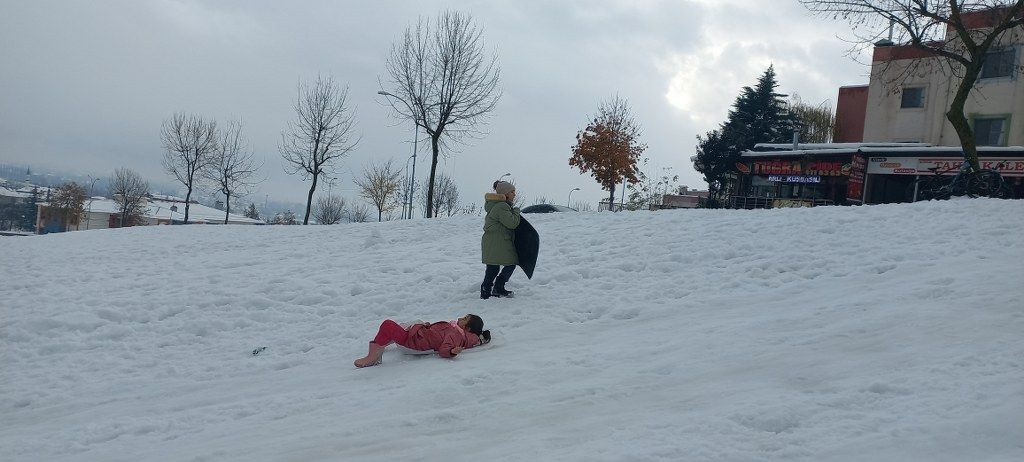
[{"x": 389, "y": 332}]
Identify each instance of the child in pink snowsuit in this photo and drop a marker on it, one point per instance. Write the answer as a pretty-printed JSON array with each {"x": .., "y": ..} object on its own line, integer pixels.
[{"x": 447, "y": 338}]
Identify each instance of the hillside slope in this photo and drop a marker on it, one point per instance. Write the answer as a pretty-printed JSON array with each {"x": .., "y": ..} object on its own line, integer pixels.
[{"x": 845, "y": 333}]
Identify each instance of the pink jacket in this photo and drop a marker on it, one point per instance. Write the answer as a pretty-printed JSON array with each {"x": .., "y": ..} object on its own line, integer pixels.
[{"x": 441, "y": 337}]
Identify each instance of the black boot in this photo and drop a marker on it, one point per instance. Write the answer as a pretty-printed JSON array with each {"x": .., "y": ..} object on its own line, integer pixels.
[
  {"x": 499, "y": 282},
  {"x": 489, "y": 275},
  {"x": 499, "y": 289}
]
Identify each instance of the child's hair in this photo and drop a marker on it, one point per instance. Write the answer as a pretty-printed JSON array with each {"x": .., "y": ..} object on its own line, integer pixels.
[{"x": 476, "y": 326}]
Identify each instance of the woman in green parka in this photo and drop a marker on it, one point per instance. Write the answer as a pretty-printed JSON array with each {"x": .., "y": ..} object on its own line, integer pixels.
[{"x": 496, "y": 246}]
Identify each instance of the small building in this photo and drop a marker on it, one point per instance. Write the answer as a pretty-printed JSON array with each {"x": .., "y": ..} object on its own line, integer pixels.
[
  {"x": 685, "y": 198},
  {"x": 777, "y": 175},
  {"x": 10, "y": 196},
  {"x": 893, "y": 131}
]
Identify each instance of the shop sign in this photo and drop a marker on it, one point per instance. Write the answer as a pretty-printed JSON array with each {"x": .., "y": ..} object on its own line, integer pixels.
[
  {"x": 794, "y": 179},
  {"x": 855, "y": 183},
  {"x": 892, "y": 166},
  {"x": 743, "y": 168},
  {"x": 1007, "y": 167},
  {"x": 796, "y": 167}
]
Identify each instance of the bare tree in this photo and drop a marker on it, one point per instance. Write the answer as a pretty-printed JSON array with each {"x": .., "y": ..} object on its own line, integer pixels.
[
  {"x": 231, "y": 168},
  {"x": 450, "y": 202},
  {"x": 406, "y": 186},
  {"x": 322, "y": 133},
  {"x": 443, "y": 198},
  {"x": 129, "y": 192},
  {"x": 441, "y": 78},
  {"x": 817, "y": 123},
  {"x": 944, "y": 29},
  {"x": 68, "y": 200},
  {"x": 286, "y": 218},
  {"x": 329, "y": 209},
  {"x": 189, "y": 143},
  {"x": 359, "y": 214},
  {"x": 582, "y": 206},
  {"x": 379, "y": 185}
]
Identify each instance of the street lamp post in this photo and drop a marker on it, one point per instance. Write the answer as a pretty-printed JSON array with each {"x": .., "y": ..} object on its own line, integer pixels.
[
  {"x": 415, "y": 140},
  {"x": 503, "y": 176},
  {"x": 569, "y": 201},
  {"x": 330, "y": 185},
  {"x": 406, "y": 205}
]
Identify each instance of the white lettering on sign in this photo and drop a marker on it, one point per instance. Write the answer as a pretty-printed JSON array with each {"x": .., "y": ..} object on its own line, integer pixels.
[{"x": 793, "y": 179}]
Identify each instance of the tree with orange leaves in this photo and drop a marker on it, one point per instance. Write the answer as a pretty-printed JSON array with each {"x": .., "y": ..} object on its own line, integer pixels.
[{"x": 609, "y": 147}]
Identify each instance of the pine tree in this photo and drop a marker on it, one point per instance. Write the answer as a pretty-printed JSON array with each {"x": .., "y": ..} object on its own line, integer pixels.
[
  {"x": 251, "y": 212},
  {"x": 759, "y": 115},
  {"x": 713, "y": 153}
]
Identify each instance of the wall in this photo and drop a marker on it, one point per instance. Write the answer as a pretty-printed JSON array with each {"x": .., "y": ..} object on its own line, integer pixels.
[
  {"x": 885, "y": 121},
  {"x": 851, "y": 111}
]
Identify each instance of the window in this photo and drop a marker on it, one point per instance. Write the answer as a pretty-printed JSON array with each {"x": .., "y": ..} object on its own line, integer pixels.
[
  {"x": 912, "y": 97},
  {"x": 999, "y": 63},
  {"x": 990, "y": 131}
]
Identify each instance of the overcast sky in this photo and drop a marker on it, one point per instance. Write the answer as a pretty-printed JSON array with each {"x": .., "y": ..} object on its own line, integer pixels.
[{"x": 85, "y": 86}]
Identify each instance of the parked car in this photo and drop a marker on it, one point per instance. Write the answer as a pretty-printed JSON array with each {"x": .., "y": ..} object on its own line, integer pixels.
[{"x": 546, "y": 208}]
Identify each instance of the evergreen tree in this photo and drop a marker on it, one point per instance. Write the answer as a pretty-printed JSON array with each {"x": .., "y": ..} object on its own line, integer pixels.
[
  {"x": 26, "y": 211},
  {"x": 759, "y": 115},
  {"x": 251, "y": 212},
  {"x": 713, "y": 153}
]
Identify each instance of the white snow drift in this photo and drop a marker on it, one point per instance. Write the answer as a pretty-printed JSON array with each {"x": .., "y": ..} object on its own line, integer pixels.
[{"x": 860, "y": 333}]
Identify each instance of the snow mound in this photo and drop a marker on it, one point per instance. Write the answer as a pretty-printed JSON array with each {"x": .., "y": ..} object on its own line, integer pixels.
[{"x": 887, "y": 332}]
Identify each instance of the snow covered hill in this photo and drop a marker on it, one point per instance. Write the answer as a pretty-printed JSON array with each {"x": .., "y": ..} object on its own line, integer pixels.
[{"x": 890, "y": 333}]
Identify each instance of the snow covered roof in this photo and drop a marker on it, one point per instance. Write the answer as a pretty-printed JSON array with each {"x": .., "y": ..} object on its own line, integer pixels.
[
  {"x": 161, "y": 209},
  {"x": 820, "y": 146},
  {"x": 5, "y": 191}
]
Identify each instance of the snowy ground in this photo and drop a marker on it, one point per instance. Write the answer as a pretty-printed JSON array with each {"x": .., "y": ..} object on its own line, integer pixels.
[{"x": 891, "y": 333}]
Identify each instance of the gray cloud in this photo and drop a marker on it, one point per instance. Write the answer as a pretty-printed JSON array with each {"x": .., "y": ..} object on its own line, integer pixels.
[{"x": 86, "y": 85}]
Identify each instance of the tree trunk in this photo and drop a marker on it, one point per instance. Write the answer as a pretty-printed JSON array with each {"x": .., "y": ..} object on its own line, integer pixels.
[
  {"x": 188, "y": 198},
  {"x": 433, "y": 170},
  {"x": 309, "y": 199},
  {"x": 959, "y": 121},
  {"x": 227, "y": 207},
  {"x": 611, "y": 198}
]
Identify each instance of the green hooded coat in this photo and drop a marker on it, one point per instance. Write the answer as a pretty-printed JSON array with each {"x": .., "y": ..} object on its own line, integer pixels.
[{"x": 496, "y": 246}]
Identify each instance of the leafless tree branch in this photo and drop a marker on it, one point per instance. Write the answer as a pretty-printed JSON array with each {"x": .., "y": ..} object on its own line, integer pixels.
[
  {"x": 130, "y": 193},
  {"x": 189, "y": 142},
  {"x": 942, "y": 30},
  {"x": 379, "y": 185},
  {"x": 329, "y": 210},
  {"x": 232, "y": 167},
  {"x": 323, "y": 133},
  {"x": 439, "y": 76}
]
